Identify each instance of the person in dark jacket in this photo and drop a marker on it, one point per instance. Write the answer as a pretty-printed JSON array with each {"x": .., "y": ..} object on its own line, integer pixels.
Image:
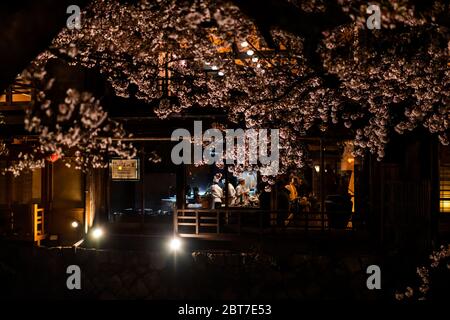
[{"x": 282, "y": 203}]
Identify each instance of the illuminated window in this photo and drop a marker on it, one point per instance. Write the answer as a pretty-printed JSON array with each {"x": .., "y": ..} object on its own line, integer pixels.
[
  {"x": 18, "y": 94},
  {"x": 205, "y": 187},
  {"x": 444, "y": 189},
  {"x": 444, "y": 180},
  {"x": 243, "y": 190}
]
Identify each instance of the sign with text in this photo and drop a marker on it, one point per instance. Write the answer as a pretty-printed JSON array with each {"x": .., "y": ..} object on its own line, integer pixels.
[{"x": 124, "y": 169}]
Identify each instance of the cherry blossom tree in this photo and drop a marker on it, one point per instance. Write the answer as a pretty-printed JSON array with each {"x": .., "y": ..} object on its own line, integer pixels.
[
  {"x": 212, "y": 54},
  {"x": 437, "y": 269},
  {"x": 77, "y": 130}
]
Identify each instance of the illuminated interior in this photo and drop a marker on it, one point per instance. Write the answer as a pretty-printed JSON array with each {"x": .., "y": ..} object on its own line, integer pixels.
[
  {"x": 444, "y": 194},
  {"x": 348, "y": 167},
  {"x": 20, "y": 93},
  {"x": 252, "y": 51}
]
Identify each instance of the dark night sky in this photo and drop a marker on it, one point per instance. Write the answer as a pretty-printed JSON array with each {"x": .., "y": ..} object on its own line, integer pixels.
[{"x": 27, "y": 28}]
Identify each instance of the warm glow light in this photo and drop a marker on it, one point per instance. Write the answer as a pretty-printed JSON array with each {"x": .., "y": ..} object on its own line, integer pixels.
[
  {"x": 215, "y": 67},
  {"x": 54, "y": 157},
  {"x": 175, "y": 244},
  {"x": 317, "y": 168},
  {"x": 221, "y": 73},
  {"x": 351, "y": 160},
  {"x": 255, "y": 59},
  {"x": 250, "y": 52},
  {"x": 74, "y": 224},
  {"x": 97, "y": 233},
  {"x": 444, "y": 186},
  {"x": 244, "y": 44},
  {"x": 445, "y": 205}
]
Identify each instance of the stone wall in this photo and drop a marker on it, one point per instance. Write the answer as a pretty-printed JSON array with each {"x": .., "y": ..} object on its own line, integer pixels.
[{"x": 41, "y": 272}]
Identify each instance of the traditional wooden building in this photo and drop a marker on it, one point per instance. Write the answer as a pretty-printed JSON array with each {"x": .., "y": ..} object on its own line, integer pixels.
[{"x": 400, "y": 202}]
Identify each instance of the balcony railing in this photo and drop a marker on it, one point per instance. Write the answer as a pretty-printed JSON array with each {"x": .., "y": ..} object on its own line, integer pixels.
[
  {"x": 223, "y": 223},
  {"x": 38, "y": 224}
]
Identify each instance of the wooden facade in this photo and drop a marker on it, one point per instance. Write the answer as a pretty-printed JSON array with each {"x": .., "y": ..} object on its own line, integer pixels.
[{"x": 397, "y": 203}]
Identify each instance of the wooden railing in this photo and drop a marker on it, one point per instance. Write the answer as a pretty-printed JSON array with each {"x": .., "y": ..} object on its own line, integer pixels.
[
  {"x": 216, "y": 223},
  {"x": 38, "y": 224}
]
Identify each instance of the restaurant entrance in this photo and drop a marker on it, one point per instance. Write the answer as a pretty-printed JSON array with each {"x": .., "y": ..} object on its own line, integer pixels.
[{"x": 149, "y": 194}]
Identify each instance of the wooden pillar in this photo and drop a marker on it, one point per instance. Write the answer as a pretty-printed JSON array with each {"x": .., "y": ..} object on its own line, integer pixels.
[
  {"x": 107, "y": 189},
  {"x": 273, "y": 207},
  {"x": 9, "y": 186},
  {"x": 88, "y": 200},
  {"x": 47, "y": 193},
  {"x": 180, "y": 194},
  {"x": 322, "y": 184},
  {"x": 435, "y": 188},
  {"x": 181, "y": 186},
  {"x": 142, "y": 184}
]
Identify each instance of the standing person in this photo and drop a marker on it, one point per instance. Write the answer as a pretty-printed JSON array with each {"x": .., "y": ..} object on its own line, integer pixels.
[
  {"x": 292, "y": 188},
  {"x": 231, "y": 193},
  {"x": 302, "y": 204},
  {"x": 293, "y": 199},
  {"x": 282, "y": 202},
  {"x": 241, "y": 192},
  {"x": 269, "y": 218},
  {"x": 197, "y": 198},
  {"x": 217, "y": 195}
]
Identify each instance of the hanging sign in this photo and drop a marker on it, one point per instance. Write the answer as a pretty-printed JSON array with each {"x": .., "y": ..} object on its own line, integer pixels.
[{"x": 124, "y": 169}]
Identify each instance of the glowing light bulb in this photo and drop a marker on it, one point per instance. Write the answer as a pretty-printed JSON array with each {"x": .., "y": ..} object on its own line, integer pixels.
[
  {"x": 175, "y": 244},
  {"x": 97, "y": 233}
]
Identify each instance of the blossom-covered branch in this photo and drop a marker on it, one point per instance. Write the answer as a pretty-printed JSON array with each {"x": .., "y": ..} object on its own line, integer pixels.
[
  {"x": 210, "y": 54},
  {"x": 439, "y": 258},
  {"x": 77, "y": 130}
]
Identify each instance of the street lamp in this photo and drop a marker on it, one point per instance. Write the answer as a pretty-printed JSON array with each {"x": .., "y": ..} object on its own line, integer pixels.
[
  {"x": 75, "y": 224},
  {"x": 175, "y": 244},
  {"x": 97, "y": 233}
]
